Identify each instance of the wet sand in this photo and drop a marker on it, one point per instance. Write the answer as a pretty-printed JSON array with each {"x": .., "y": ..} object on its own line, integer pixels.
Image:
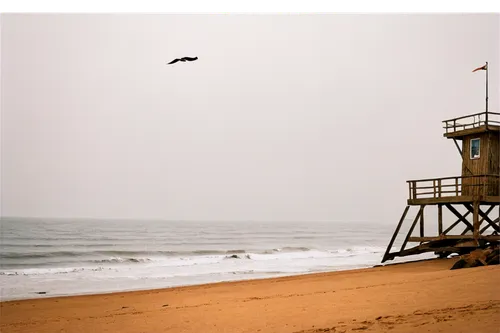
[{"x": 413, "y": 297}]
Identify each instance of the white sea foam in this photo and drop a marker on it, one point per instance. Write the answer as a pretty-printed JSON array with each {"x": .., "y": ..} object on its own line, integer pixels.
[{"x": 130, "y": 256}]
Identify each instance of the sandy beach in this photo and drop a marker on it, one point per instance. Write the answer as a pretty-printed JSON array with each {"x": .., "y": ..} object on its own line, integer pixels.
[{"x": 420, "y": 296}]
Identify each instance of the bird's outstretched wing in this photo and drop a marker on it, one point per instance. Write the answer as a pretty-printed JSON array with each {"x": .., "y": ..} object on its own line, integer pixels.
[
  {"x": 191, "y": 59},
  {"x": 173, "y": 61}
]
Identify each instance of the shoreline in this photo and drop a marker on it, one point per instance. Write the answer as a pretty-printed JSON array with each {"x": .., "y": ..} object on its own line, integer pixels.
[
  {"x": 422, "y": 295},
  {"x": 51, "y": 296}
]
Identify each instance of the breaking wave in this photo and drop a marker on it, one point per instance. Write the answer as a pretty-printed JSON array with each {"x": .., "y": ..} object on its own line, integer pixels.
[{"x": 131, "y": 256}]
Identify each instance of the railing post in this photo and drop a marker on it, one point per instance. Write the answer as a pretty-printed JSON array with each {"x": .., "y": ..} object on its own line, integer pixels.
[
  {"x": 414, "y": 190},
  {"x": 456, "y": 186},
  {"x": 439, "y": 188},
  {"x": 440, "y": 219},
  {"x": 434, "y": 187}
]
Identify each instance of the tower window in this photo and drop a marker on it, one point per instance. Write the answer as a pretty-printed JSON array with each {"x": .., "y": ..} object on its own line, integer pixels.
[{"x": 475, "y": 148}]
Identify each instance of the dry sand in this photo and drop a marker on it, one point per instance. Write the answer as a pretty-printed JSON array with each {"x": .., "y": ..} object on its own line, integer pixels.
[{"x": 415, "y": 297}]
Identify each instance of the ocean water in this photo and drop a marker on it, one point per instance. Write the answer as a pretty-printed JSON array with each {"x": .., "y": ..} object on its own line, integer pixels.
[{"x": 43, "y": 258}]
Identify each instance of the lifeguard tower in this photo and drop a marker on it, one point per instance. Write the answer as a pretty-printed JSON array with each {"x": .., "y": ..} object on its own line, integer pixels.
[{"x": 477, "y": 190}]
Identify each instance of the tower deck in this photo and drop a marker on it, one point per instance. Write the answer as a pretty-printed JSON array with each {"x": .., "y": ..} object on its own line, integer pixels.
[
  {"x": 460, "y": 189},
  {"x": 475, "y": 123}
]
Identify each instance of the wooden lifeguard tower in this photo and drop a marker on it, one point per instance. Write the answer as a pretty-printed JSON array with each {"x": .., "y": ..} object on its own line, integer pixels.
[{"x": 477, "y": 190}]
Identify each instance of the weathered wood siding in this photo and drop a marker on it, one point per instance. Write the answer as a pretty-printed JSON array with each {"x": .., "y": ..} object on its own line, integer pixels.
[
  {"x": 487, "y": 164},
  {"x": 494, "y": 161}
]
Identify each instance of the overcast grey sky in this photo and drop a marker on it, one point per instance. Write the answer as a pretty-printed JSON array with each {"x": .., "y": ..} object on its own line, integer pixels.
[{"x": 283, "y": 117}]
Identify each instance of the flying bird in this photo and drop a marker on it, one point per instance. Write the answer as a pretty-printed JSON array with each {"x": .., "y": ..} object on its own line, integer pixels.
[{"x": 183, "y": 60}]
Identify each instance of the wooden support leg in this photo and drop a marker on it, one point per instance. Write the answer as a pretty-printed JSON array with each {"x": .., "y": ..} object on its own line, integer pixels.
[
  {"x": 422, "y": 223},
  {"x": 475, "y": 219},
  {"x": 395, "y": 234},
  {"x": 498, "y": 219},
  {"x": 420, "y": 212},
  {"x": 440, "y": 219}
]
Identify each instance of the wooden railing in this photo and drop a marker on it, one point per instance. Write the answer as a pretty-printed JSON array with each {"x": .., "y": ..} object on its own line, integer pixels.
[
  {"x": 485, "y": 185},
  {"x": 471, "y": 121}
]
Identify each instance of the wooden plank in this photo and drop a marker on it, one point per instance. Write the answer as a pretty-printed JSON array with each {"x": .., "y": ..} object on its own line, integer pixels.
[
  {"x": 497, "y": 220},
  {"x": 386, "y": 254},
  {"x": 488, "y": 211},
  {"x": 458, "y": 147},
  {"x": 469, "y": 131},
  {"x": 452, "y": 177},
  {"x": 446, "y": 185},
  {"x": 484, "y": 228},
  {"x": 484, "y": 216},
  {"x": 440, "y": 219},
  {"x": 460, "y": 217},
  {"x": 433, "y": 187},
  {"x": 470, "y": 115},
  {"x": 425, "y": 193},
  {"x": 452, "y": 199},
  {"x": 422, "y": 223},
  {"x": 430, "y": 239},
  {"x": 493, "y": 163},
  {"x": 461, "y": 155},
  {"x": 491, "y": 199},
  {"x": 443, "y": 200},
  {"x": 420, "y": 211},
  {"x": 487, "y": 219},
  {"x": 451, "y": 227},
  {"x": 475, "y": 219},
  {"x": 490, "y": 237},
  {"x": 430, "y": 247},
  {"x": 455, "y": 224}
]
